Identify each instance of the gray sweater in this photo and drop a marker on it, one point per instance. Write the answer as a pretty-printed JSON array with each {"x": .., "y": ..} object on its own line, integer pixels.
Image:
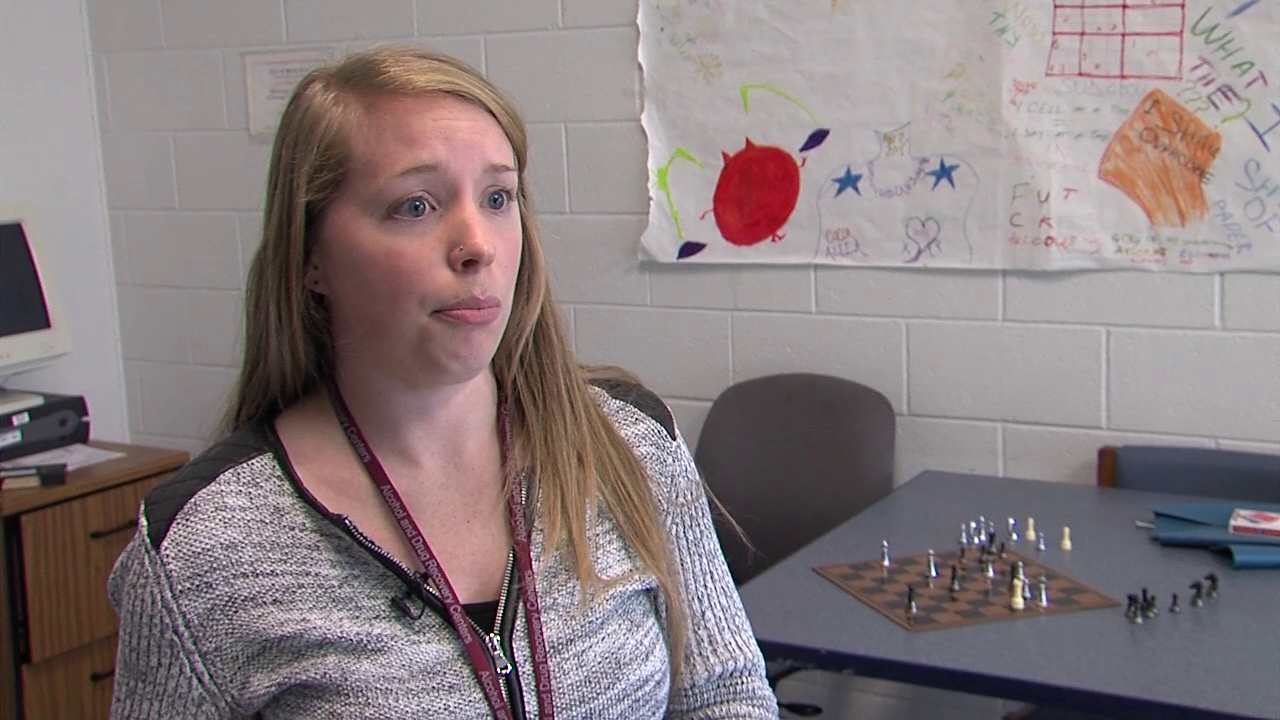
[{"x": 241, "y": 595}]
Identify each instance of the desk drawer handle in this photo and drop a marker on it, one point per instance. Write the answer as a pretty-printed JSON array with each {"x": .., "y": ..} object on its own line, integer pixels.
[
  {"x": 97, "y": 677},
  {"x": 99, "y": 534}
]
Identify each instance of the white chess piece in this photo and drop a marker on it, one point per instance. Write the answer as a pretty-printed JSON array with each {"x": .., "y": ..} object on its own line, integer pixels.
[
  {"x": 1030, "y": 534},
  {"x": 1016, "y": 601},
  {"x": 1066, "y": 538}
]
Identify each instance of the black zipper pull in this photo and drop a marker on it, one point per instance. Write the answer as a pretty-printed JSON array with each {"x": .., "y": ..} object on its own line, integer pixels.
[{"x": 500, "y": 663}]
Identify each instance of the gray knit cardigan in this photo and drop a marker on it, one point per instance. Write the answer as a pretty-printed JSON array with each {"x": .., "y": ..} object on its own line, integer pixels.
[{"x": 241, "y": 596}]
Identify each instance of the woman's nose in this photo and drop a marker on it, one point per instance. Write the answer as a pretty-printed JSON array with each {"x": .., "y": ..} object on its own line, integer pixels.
[{"x": 471, "y": 247}]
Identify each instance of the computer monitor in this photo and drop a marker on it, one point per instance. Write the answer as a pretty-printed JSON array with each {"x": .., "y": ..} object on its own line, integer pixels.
[{"x": 32, "y": 329}]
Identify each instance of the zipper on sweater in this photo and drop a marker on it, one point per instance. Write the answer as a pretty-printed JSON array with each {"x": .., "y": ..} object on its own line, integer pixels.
[
  {"x": 492, "y": 636},
  {"x": 398, "y": 568},
  {"x": 506, "y": 619},
  {"x": 496, "y": 641}
]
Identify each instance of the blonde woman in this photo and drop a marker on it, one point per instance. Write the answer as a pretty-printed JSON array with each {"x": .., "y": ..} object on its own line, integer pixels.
[{"x": 422, "y": 507}]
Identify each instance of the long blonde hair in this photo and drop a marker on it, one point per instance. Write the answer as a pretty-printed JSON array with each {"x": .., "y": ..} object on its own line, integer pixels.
[{"x": 574, "y": 452}]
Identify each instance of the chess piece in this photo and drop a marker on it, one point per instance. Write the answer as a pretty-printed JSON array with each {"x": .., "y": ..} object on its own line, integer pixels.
[
  {"x": 964, "y": 535},
  {"x": 885, "y": 562},
  {"x": 1003, "y": 552},
  {"x": 911, "y": 603},
  {"x": 1149, "y": 608},
  {"x": 1132, "y": 611},
  {"x": 1030, "y": 534},
  {"x": 1173, "y": 606},
  {"x": 1211, "y": 590},
  {"x": 1013, "y": 530},
  {"x": 1016, "y": 600},
  {"x": 1026, "y": 589},
  {"x": 989, "y": 569},
  {"x": 1043, "y": 597},
  {"x": 932, "y": 570},
  {"x": 1066, "y": 538},
  {"x": 1040, "y": 543},
  {"x": 1197, "y": 594},
  {"x": 954, "y": 587}
]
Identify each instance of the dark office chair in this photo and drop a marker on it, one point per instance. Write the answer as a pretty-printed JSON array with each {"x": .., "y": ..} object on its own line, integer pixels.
[
  {"x": 790, "y": 457},
  {"x": 1224, "y": 474}
]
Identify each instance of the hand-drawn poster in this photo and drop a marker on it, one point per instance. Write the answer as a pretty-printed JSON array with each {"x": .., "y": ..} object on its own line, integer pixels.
[{"x": 1040, "y": 134}]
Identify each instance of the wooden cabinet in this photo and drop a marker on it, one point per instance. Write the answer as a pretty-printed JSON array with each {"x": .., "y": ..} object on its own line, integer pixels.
[{"x": 58, "y": 545}]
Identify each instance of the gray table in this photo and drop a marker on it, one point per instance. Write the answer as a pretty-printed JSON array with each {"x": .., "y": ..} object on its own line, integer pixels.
[{"x": 1221, "y": 660}]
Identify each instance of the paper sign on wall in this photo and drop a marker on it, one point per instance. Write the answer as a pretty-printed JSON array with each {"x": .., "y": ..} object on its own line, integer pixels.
[
  {"x": 270, "y": 78},
  {"x": 1030, "y": 134}
]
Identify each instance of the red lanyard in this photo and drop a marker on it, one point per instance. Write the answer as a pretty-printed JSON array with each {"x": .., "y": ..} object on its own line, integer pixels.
[{"x": 476, "y": 651}]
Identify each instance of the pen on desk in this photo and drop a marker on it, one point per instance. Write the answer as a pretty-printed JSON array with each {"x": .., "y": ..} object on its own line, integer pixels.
[{"x": 1144, "y": 524}]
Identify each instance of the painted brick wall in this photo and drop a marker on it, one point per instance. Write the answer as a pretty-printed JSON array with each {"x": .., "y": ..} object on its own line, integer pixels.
[{"x": 1002, "y": 372}]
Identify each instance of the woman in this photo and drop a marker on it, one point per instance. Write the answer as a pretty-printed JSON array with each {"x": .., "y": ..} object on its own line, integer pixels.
[{"x": 422, "y": 507}]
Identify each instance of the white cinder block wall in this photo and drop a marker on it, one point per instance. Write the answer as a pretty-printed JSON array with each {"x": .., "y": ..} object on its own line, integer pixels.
[{"x": 1001, "y": 372}]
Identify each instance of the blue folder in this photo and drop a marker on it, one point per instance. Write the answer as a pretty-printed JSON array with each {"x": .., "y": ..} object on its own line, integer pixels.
[{"x": 1206, "y": 525}]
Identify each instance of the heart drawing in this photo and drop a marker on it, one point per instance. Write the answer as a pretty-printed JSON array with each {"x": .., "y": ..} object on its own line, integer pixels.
[{"x": 922, "y": 237}]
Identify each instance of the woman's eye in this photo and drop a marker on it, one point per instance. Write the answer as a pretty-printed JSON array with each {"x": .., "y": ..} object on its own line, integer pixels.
[
  {"x": 498, "y": 199},
  {"x": 414, "y": 207}
]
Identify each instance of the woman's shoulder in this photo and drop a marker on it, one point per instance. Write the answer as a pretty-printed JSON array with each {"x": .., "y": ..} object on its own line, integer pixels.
[
  {"x": 639, "y": 414},
  {"x": 201, "y": 492},
  {"x": 648, "y": 426}
]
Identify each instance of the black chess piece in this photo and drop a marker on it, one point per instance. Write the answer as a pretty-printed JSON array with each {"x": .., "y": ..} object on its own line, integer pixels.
[
  {"x": 1212, "y": 589},
  {"x": 1197, "y": 595},
  {"x": 1173, "y": 606},
  {"x": 954, "y": 587},
  {"x": 1003, "y": 552},
  {"x": 911, "y": 602},
  {"x": 1150, "y": 609},
  {"x": 1131, "y": 610}
]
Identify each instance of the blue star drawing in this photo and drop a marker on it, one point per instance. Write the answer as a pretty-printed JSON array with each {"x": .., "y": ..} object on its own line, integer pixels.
[
  {"x": 848, "y": 181},
  {"x": 944, "y": 172}
]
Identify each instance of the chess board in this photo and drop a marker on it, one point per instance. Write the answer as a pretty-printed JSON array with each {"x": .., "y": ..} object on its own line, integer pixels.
[{"x": 937, "y": 609}]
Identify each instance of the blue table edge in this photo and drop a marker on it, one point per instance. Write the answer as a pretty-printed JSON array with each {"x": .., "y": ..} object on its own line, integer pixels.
[{"x": 977, "y": 683}]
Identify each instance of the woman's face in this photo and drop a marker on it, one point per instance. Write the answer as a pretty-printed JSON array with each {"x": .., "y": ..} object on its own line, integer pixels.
[{"x": 418, "y": 251}]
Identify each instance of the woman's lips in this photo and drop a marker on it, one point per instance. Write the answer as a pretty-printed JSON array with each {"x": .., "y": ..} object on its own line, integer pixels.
[{"x": 475, "y": 310}]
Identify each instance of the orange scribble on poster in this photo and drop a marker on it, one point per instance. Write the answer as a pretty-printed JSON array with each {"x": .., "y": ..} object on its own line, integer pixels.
[{"x": 1160, "y": 157}]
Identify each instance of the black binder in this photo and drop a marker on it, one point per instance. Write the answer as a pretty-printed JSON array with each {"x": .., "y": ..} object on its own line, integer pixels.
[{"x": 60, "y": 420}]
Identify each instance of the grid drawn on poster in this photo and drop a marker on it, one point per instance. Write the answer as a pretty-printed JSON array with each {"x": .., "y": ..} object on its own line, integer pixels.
[{"x": 1128, "y": 39}]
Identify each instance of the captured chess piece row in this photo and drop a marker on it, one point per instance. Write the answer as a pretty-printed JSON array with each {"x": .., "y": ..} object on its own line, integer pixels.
[
  {"x": 1144, "y": 606},
  {"x": 981, "y": 533}
]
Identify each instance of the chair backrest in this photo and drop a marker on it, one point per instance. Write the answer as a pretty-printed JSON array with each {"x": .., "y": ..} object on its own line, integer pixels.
[
  {"x": 1226, "y": 474},
  {"x": 790, "y": 457}
]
